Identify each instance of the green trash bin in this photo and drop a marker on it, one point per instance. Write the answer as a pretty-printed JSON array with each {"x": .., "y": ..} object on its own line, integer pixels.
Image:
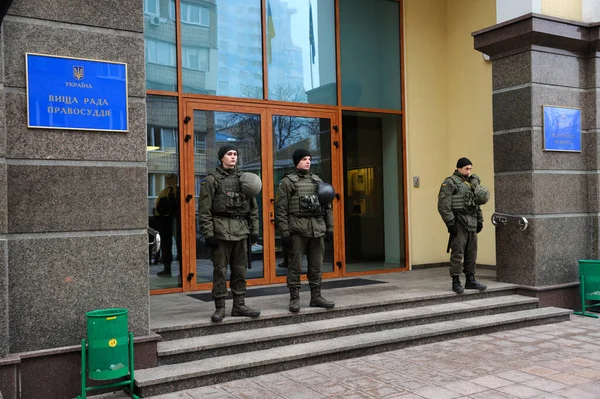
[
  {"x": 108, "y": 343},
  {"x": 589, "y": 286}
]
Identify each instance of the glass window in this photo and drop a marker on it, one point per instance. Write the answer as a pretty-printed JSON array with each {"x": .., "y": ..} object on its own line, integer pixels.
[
  {"x": 163, "y": 191},
  {"x": 160, "y": 49},
  {"x": 374, "y": 82},
  {"x": 226, "y": 35},
  {"x": 301, "y": 51}
]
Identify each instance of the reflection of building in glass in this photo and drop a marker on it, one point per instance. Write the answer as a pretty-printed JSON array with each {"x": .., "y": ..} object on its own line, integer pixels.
[
  {"x": 161, "y": 136},
  {"x": 286, "y": 75}
]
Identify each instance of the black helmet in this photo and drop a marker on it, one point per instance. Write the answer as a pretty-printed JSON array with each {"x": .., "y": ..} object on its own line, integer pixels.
[
  {"x": 250, "y": 184},
  {"x": 326, "y": 193}
]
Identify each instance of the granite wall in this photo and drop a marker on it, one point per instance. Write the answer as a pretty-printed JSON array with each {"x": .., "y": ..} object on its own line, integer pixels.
[
  {"x": 72, "y": 203},
  {"x": 539, "y": 60}
]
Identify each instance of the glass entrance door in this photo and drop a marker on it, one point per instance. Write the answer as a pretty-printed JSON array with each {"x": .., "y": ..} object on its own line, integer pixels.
[
  {"x": 316, "y": 133},
  {"x": 266, "y": 140}
]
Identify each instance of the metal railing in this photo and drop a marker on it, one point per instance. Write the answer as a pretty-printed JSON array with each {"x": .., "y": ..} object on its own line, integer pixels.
[{"x": 502, "y": 219}]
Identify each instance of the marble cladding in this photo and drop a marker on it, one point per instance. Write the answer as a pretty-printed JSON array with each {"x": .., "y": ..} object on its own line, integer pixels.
[
  {"x": 559, "y": 243},
  {"x": 556, "y": 193},
  {"x": 3, "y": 199},
  {"x": 513, "y": 193},
  {"x": 512, "y": 151},
  {"x": 2, "y": 120},
  {"x": 511, "y": 71},
  {"x": 53, "y": 282},
  {"x": 52, "y": 144},
  {"x": 75, "y": 198},
  {"x": 22, "y": 37},
  {"x": 113, "y": 14},
  {"x": 4, "y": 325},
  {"x": 535, "y": 193},
  {"x": 544, "y": 254},
  {"x": 559, "y": 70},
  {"x": 512, "y": 109}
]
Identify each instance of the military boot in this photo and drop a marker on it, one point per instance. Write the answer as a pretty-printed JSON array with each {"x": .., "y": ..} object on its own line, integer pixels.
[
  {"x": 219, "y": 310},
  {"x": 317, "y": 301},
  {"x": 456, "y": 286},
  {"x": 473, "y": 284},
  {"x": 294, "y": 299},
  {"x": 240, "y": 308}
]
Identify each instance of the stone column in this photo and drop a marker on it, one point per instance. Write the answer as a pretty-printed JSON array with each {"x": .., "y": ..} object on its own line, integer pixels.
[
  {"x": 540, "y": 60},
  {"x": 75, "y": 238},
  {"x": 3, "y": 217}
]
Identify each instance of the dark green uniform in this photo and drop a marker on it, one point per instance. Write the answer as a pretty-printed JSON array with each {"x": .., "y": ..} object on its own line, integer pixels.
[
  {"x": 225, "y": 213},
  {"x": 456, "y": 204},
  {"x": 299, "y": 214}
]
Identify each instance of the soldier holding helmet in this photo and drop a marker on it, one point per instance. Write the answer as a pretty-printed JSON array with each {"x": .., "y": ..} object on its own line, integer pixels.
[
  {"x": 228, "y": 215},
  {"x": 459, "y": 203},
  {"x": 304, "y": 217}
]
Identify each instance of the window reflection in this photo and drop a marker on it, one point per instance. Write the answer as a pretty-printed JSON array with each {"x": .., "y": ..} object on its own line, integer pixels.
[
  {"x": 160, "y": 50},
  {"x": 164, "y": 213},
  {"x": 222, "y": 48},
  {"x": 301, "y": 51}
]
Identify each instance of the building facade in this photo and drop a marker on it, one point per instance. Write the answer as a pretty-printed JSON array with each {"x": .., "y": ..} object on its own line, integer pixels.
[{"x": 386, "y": 95}]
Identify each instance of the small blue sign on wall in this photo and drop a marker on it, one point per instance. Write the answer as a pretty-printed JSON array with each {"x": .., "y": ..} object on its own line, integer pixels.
[
  {"x": 74, "y": 93},
  {"x": 562, "y": 129}
]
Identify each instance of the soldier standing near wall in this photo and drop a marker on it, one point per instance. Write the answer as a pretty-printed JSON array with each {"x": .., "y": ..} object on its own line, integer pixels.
[
  {"x": 228, "y": 214},
  {"x": 458, "y": 203}
]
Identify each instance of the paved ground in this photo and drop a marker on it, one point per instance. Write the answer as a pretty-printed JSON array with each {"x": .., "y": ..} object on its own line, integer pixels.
[{"x": 544, "y": 362}]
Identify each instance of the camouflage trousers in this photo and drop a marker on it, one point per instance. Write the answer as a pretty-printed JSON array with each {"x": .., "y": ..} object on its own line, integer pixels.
[
  {"x": 464, "y": 249},
  {"x": 314, "y": 255},
  {"x": 235, "y": 254}
]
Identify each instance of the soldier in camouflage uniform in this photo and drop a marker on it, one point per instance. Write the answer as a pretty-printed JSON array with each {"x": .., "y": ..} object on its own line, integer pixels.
[
  {"x": 460, "y": 211},
  {"x": 226, "y": 218},
  {"x": 304, "y": 224}
]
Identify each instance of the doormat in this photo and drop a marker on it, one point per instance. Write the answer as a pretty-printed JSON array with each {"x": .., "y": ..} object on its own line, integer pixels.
[{"x": 266, "y": 291}]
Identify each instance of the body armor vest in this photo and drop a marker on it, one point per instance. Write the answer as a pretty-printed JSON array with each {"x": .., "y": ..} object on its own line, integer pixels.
[
  {"x": 463, "y": 198},
  {"x": 228, "y": 200},
  {"x": 304, "y": 201}
]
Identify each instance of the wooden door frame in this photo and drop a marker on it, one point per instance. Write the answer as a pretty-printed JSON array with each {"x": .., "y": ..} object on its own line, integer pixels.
[
  {"x": 337, "y": 182},
  {"x": 187, "y": 177}
]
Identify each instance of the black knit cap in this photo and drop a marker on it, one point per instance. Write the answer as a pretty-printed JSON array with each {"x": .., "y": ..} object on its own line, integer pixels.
[
  {"x": 463, "y": 162},
  {"x": 299, "y": 154},
  {"x": 226, "y": 148}
]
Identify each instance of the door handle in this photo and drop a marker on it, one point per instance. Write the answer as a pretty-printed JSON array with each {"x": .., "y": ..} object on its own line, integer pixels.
[
  {"x": 272, "y": 220},
  {"x": 188, "y": 197}
]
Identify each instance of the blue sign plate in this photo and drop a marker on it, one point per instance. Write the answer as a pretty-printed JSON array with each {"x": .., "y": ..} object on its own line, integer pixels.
[
  {"x": 73, "y": 93},
  {"x": 562, "y": 129}
]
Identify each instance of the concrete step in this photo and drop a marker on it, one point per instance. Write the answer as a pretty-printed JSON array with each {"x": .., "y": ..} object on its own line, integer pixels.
[
  {"x": 281, "y": 317},
  {"x": 175, "y": 377},
  {"x": 201, "y": 347}
]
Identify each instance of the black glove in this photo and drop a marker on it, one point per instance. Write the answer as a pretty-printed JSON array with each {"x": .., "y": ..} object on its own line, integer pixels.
[
  {"x": 287, "y": 242},
  {"x": 212, "y": 242},
  {"x": 328, "y": 236},
  {"x": 452, "y": 229},
  {"x": 479, "y": 227},
  {"x": 253, "y": 238}
]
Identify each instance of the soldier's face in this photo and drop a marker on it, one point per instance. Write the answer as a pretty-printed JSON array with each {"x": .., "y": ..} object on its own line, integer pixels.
[
  {"x": 466, "y": 170},
  {"x": 304, "y": 163},
  {"x": 229, "y": 159}
]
